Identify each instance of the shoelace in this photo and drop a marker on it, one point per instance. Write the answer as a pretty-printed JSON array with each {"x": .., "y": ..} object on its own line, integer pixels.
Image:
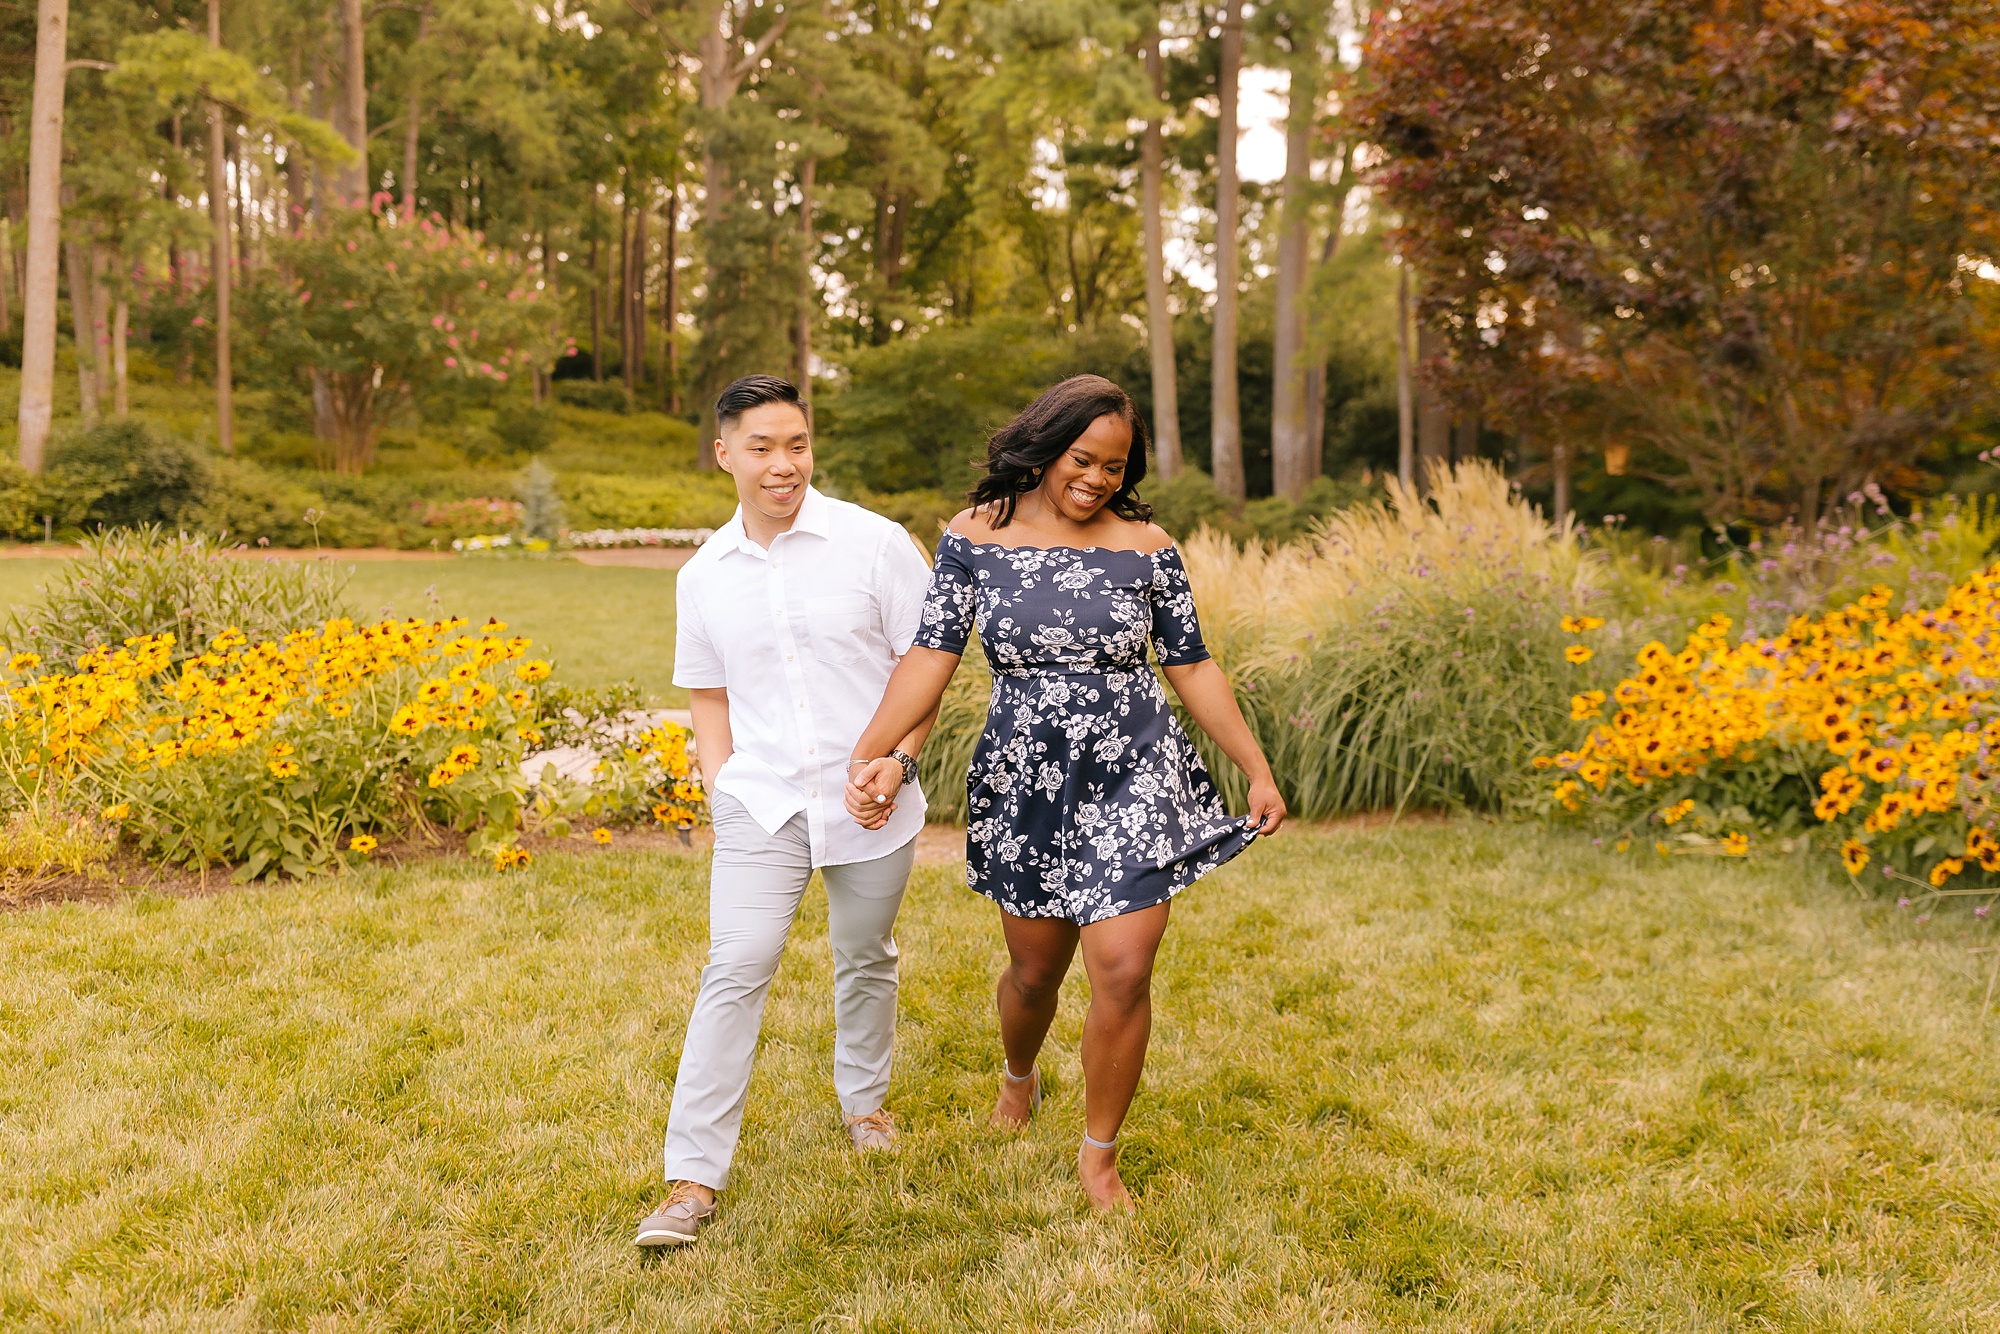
[
  {"x": 878, "y": 1120},
  {"x": 682, "y": 1192}
]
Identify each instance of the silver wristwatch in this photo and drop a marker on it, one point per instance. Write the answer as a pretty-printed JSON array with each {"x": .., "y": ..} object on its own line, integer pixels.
[{"x": 909, "y": 766}]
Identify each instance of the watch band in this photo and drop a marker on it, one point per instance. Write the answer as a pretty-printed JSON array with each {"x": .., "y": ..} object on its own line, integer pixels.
[{"x": 909, "y": 766}]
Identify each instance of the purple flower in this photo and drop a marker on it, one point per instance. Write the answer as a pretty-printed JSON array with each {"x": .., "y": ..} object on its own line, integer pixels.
[
  {"x": 1981, "y": 911},
  {"x": 1902, "y": 903}
]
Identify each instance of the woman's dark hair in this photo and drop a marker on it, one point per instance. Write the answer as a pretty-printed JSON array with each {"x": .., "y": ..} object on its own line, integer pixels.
[{"x": 1018, "y": 451}]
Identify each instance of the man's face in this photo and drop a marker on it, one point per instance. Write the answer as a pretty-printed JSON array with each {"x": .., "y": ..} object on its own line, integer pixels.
[{"x": 768, "y": 450}]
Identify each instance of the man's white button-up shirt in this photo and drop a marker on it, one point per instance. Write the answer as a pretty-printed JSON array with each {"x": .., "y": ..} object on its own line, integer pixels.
[{"x": 803, "y": 636}]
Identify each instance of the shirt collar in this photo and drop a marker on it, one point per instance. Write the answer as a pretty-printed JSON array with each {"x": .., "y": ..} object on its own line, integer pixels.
[{"x": 815, "y": 516}]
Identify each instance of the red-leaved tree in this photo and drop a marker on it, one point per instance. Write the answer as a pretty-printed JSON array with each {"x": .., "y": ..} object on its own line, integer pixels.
[{"x": 1748, "y": 238}]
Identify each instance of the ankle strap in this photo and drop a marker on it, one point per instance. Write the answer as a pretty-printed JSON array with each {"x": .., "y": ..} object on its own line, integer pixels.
[
  {"x": 1111, "y": 1143},
  {"x": 1008, "y": 1071}
]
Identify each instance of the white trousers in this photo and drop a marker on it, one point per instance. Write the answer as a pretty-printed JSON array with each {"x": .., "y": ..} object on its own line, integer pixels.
[{"x": 754, "y": 888}]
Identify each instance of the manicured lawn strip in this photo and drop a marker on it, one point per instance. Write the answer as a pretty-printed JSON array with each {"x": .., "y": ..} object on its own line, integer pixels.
[
  {"x": 599, "y": 624},
  {"x": 1443, "y": 1077}
]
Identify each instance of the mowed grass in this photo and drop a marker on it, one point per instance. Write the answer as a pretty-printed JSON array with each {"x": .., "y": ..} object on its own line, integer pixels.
[
  {"x": 598, "y": 624},
  {"x": 1447, "y": 1077}
]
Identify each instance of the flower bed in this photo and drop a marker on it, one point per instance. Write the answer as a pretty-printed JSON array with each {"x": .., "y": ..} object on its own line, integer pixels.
[
  {"x": 299, "y": 756},
  {"x": 1874, "y": 731},
  {"x": 600, "y": 538}
]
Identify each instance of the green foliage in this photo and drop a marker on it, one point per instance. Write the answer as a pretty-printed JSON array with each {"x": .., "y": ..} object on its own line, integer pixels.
[
  {"x": 1189, "y": 502},
  {"x": 917, "y": 411},
  {"x": 690, "y": 500},
  {"x": 526, "y": 428},
  {"x": 124, "y": 474},
  {"x": 146, "y": 581},
  {"x": 596, "y": 395}
]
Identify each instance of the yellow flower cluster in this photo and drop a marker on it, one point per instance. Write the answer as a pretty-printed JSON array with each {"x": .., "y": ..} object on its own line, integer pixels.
[
  {"x": 57, "y": 721},
  {"x": 683, "y": 798},
  {"x": 1899, "y": 714}
]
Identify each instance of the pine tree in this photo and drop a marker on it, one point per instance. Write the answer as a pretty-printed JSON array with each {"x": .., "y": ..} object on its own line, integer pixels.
[{"x": 541, "y": 507}]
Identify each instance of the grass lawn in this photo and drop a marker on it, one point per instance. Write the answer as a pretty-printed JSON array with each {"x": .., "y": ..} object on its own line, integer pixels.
[
  {"x": 599, "y": 624},
  {"x": 1447, "y": 1077}
]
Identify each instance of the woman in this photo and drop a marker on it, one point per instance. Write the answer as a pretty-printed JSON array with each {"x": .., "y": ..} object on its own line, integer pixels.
[{"x": 1089, "y": 807}]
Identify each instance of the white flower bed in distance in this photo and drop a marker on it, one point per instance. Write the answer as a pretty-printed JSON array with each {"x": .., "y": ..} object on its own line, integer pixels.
[{"x": 597, "y": 538}]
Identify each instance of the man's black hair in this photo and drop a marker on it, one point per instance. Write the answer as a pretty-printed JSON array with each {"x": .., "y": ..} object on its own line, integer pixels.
[{"x": 754, "y": 391}]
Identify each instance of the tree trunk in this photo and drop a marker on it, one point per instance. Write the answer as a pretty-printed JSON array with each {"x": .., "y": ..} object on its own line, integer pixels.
[
  {"x": 218, "y": 212},
  {"x": 1406, "y": 434},
  {"x": 38, "y": 313},
  {"x": 121, "y": 322},
  {"x": 1465, "y": 438},
  {"x": 1159, "y": 319},
  {"x": 1293, "y": 466},
  {"x": 670, "y": 302},
  {"x": 596, "y": 296},
  {"x": 1225, "y": 418},
  {"x": 411, "y": 122},
  {"x": 1561, "y": 467},
  {"x": 625, "y": 266},
  {"x": 1433, "y": 415},
  {"x": 640, "y": 245},
  {"x": 808, "y": 173},
  {"x": 355, "y": 180},
  {"x": 100, "y": 322},
  {"x": 7, "y": 278},
  {"x": 326, "y": 429},
  {"x": 1316, "y": 373},
  {"x": 77, "y": 270}
]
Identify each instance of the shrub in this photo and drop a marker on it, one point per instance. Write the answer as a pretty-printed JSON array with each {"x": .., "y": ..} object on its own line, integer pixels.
[
  {"x": 525, "y": 427},
  {"x": 21, "y": 509},
  {"x": 596, "y": 395},
  {"x": 688, "y": 500},
  {"x": 134, "y": 583},
  {"x": 124, "y": 474},
  {"x": 256, "y": 505}
]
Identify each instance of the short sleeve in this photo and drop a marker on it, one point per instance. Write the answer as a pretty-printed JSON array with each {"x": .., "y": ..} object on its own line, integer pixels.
[
  {"x": 948, "y": 603},
  {"x": 697, "y": 666},
  {"x": 1176, "y": 629},
  {"x": 902, "y": 581}
]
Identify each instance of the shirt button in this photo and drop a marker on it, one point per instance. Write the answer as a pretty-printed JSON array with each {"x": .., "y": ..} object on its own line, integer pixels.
[
  {"x": 802, "y": 704},
  {"x": 811, "y": 751},
  {"x": 813, "y": 793},
  {"x": 788, "y": 657}
]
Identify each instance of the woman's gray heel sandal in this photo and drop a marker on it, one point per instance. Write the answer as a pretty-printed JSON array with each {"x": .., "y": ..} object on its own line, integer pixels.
[
  {"x": 1111, "y": 1143},
  {"x": 1034, "y": 1094}
]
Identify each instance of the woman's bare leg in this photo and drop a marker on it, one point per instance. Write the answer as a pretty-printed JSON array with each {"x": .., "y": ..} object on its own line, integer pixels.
[
  {"x": 1118, "y": 955},
  {"x": 1039, "y": 950}
]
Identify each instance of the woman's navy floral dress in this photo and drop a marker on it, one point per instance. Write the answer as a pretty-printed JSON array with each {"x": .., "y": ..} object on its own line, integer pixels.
[{"x": 1087, "y": 798}]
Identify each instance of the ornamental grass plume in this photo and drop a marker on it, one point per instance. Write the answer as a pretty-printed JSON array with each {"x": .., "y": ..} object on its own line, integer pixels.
[{"x": 1408, "y": 653}]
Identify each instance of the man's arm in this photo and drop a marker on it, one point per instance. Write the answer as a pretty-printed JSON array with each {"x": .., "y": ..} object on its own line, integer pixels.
[{"x": 712, "y": 743}]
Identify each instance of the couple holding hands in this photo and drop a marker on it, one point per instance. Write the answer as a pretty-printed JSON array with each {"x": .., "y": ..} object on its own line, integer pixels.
[{"x": 816, "y": 647}]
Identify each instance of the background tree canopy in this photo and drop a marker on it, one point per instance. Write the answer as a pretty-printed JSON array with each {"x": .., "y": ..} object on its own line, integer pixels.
[{"x": 1696, "y": 264}]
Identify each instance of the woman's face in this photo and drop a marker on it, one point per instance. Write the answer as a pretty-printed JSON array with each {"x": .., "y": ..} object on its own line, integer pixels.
[{"x": 1082, "y": 479}]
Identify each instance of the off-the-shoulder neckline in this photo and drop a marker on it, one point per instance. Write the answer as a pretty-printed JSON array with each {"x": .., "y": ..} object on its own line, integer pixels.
[{"x": 1002, "y": 546}]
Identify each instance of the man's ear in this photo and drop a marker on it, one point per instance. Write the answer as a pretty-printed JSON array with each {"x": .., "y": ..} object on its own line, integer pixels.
[{"x": 722, "y": 456}]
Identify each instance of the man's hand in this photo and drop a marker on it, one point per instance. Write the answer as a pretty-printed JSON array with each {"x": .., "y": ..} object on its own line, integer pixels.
[{"x": 871, "y": 791}]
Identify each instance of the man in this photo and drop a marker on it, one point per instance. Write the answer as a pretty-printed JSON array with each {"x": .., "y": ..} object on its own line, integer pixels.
[{"x": 790, "y": 620}]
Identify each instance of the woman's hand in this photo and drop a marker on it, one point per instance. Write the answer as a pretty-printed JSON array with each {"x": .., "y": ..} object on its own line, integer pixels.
[
  {"x": 871, "y": 791},
  {"x": 1267, "y": 808}
]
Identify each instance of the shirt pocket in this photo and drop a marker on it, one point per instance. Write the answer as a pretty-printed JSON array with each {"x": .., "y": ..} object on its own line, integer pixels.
[{"x": 844, "y": 629}]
